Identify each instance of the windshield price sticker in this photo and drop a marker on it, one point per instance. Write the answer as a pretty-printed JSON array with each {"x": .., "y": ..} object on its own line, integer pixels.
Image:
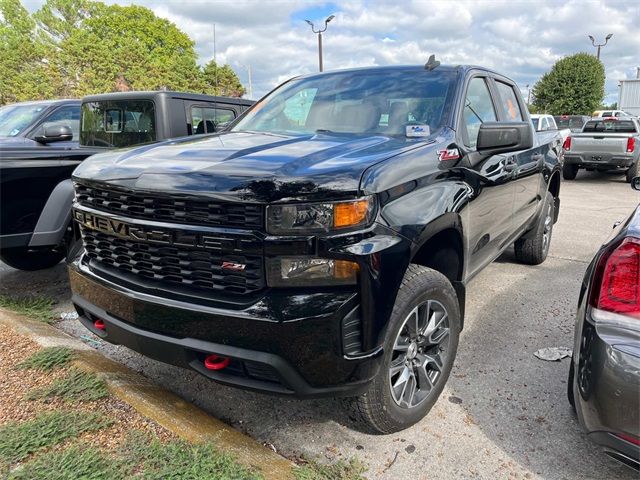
[{"x": 417, "y": 131}]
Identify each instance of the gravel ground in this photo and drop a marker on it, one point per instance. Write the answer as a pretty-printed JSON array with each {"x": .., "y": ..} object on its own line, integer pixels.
[
  {"x": 14, "y": 385},
  {"x": 503, "y": 413}
]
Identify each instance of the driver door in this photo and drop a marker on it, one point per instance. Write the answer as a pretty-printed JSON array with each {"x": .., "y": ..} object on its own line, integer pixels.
[{"x": 489, "y": 221}]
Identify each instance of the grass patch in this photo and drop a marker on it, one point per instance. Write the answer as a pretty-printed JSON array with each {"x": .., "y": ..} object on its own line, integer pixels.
[
  {"x": 71, "y": 464},
  {"x": 75, "y": 386},
  {"x": 39, "y": 308},
  {"x": 142, "y": 457},
  {"x": 47, "y": 359},
  {"x": 19, "y": 440},
  {"x": 180, "y": 459},
  {"x": 313, "y": 470}
]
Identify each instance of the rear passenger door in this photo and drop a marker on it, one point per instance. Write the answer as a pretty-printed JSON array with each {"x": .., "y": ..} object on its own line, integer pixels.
[
  {"x": 525, "y": 164},
  {"x": 490, "y": 214}
]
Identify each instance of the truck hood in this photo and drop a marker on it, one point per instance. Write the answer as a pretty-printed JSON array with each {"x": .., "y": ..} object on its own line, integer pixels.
[{"x": 252, "y": 166}]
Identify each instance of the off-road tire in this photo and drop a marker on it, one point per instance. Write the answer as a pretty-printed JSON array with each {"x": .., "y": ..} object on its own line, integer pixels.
[
  {"x": 376, "y": 411},
  {"x": 532, "y": 248},
  {"x": 31, "y": 260},
  {"x": 570, "y": 171},
  {"x": 633, "y": 171}
]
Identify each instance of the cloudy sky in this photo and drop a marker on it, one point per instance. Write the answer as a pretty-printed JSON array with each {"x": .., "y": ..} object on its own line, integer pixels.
[{"x": 519, "y": 38}]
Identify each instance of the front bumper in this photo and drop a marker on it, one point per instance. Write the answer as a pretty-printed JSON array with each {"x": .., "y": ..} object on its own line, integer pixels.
[
  {"x": 607, "y": 386},
  {"x": 599, "y": 160},
  {"x": 271, "y": 346}
]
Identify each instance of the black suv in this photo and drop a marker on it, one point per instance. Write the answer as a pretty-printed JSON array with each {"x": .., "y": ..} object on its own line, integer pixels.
[
  {"x": 41, "y": 143},
  {"x": 322, "y": 245}
]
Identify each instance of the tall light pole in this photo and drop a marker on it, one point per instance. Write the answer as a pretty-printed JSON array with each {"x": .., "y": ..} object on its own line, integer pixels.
[
  {"x": 319, "y": 32},
  {"x": 593, "y": 42}
]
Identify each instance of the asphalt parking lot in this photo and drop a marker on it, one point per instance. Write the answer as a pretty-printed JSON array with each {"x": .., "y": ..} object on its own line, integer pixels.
[{"x": 503, "y": 414}]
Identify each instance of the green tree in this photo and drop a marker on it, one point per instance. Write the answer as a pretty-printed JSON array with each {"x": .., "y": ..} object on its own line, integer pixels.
[
  {"x": 26, "y": 73},
  {"x": 223, "y": 80},
  {"x": 575, "y": 85}
]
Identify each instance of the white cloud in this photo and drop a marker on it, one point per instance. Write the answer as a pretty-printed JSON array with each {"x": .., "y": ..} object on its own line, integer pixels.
[{"x": 521, "y": 39}]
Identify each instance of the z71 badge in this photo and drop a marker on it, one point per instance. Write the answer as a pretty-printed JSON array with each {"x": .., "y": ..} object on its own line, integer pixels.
[{"x": 450, "y": 154}]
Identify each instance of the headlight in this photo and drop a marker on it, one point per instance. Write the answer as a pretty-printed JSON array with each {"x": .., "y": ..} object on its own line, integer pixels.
[
  {"x": 303, "y": 218},
  {"x": 310, "y": 271}
]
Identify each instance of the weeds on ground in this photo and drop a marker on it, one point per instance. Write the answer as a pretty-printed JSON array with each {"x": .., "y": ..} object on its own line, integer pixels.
[
  {"x": 71, "y": 464},
  {"x": 313, "y": 470},
  {"x": 47, "y": 359},
  {"x": 75, "y": 386},
  {"x": 180, "y": 459},
  {"x": 19, "y": 440},
  {"x": 38, "y": 308}
]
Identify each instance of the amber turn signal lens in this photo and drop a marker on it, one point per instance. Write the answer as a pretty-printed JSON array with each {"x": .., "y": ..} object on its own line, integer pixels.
[
  {"x": 350, "y": 213},
  {"x": 344, "y": 270}
]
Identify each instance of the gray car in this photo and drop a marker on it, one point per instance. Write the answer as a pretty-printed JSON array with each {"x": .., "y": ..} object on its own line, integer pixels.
[{"x": 604, "y": 377}]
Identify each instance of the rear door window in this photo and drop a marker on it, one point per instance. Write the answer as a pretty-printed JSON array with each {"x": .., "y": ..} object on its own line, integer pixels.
[
  {"x": 207, "y": 119},
  {"x": 510, "y": 104}
]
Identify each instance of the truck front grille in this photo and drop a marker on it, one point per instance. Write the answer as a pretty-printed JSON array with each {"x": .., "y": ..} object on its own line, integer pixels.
[
  {"x": 171, "y": 208},
  {"x": 180, "y": 266}
]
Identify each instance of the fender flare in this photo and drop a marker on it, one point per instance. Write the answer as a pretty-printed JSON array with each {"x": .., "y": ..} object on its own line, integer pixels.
[{"x": 55, "y": 216}]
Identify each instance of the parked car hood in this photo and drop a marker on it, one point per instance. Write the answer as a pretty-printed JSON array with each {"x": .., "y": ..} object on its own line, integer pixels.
[{"x": 253, "y": 166}]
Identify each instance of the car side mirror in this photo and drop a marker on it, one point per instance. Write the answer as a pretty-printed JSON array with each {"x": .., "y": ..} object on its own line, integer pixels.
[
  {"x": 222, "y": 126},
  {"x": 55, "y": 133},
  {"x": 502, "y": 137},
  {"x": 635, "y": 183}
]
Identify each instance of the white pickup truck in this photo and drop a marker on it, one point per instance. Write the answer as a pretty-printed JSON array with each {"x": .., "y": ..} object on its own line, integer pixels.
[
  {"x": 604, "y": 144},
  {"x": 544, "y": 123}
]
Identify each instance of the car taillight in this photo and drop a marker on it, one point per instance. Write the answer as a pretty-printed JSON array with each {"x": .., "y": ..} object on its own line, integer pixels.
[
  {"x": 631, "y": 144},
  {"x": 567, "y": 143},
  {"x": 616, "y": 286}
]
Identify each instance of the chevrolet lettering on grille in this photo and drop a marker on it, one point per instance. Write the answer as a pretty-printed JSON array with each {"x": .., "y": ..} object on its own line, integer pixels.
[{"x": 129, "y": 231}]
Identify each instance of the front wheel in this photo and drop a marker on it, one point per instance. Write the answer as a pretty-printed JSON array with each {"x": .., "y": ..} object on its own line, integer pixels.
[
  {"x": 533, "y": 248},
  {"x": 30, "y": 260},
  {"x": 419, "y": 349},
  {"x": 569, "y": 171}
]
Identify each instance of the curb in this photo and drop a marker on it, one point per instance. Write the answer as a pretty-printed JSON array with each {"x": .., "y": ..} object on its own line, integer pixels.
[{"x": 166, "y": 408}]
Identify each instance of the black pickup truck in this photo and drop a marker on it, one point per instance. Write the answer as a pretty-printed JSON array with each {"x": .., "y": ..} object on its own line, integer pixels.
[
  {"x": 322, "y": 245},
  {"x": 41, "y": 143}
]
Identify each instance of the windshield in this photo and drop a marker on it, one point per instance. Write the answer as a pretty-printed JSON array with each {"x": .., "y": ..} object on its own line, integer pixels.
[
  {"x": 389, "y": 102},
  {"x": 15, "y": 118},
  {"x": 120, "y": 123}
]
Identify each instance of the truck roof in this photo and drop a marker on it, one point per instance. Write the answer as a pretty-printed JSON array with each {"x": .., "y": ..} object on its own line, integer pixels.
[
  {"x": 449, "y": 68},
  {"x": 150, "y": 95}
]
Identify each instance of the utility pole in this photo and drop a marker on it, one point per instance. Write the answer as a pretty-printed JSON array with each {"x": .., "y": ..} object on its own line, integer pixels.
[
  {"x": 599, "y": 45},
  {"x": 528, "y": 95},
  {"x": 319, "y": 32}
]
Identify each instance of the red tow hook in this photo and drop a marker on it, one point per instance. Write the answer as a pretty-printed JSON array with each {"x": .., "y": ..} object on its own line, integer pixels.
[
  {"x": 99, "y": 324},
  {"x": 214, "y": 362}
]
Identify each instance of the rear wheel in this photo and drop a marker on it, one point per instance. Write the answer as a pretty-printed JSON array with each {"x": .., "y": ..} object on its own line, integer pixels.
[
  {"x": 569, "y": 171},
  {"x": 30, "y": 260},
  {"x": 633, "y": 171},
  {"x": 533, "y": 248},
  {"x": 419, "y": 348}
]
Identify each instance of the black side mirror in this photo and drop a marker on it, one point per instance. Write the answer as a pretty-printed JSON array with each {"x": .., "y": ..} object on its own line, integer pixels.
[
  {"x": 635, "y": 183},
  {"x": 55, "y": 133},
  {"x": 502, "y": 137}
]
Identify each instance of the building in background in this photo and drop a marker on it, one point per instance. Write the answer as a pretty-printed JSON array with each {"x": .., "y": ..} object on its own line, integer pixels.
[{"x": 629, "y": 96}]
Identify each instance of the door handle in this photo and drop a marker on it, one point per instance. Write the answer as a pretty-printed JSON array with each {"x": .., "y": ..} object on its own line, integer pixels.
[{"x": 510, "y": 164}]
